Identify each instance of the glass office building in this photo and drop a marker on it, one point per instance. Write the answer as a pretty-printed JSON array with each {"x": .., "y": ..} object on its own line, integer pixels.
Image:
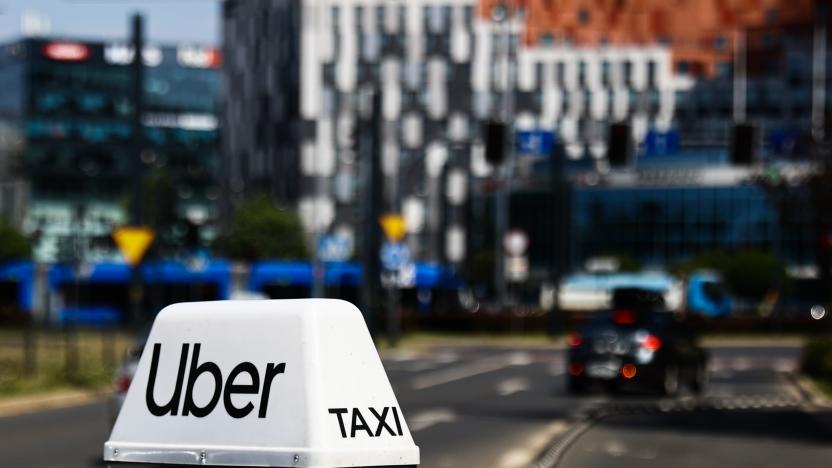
[
  {"x": 69, "y": 104},
  {"x": 660, "y": 225}
]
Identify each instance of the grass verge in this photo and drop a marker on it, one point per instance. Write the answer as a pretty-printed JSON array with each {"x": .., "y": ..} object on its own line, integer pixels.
[{"x": 38, "y": 362}]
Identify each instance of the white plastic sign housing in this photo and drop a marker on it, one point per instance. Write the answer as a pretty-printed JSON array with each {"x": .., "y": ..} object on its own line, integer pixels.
[{"x": 290, "y": 383}]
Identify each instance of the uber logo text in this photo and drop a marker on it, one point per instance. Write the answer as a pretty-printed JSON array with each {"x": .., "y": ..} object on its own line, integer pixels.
[
  {"x": 358, "y": 423},
  {"x": 211, "y": 368}
]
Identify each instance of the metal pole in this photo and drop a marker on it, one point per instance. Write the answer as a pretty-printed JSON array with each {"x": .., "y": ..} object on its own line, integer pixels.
[
  {"x": 369, "y": 146},
  {"x": 504, "y": 172},
  {"x": 819, "y": 83},
  {"x": 394, "y": 315},
  {"x": 317, "y": 265},
  {"x": 137, "y": 90}
]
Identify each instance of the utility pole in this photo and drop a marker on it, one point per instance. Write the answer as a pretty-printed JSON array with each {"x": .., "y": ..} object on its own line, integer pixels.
[{"x": 137, "y": 170}]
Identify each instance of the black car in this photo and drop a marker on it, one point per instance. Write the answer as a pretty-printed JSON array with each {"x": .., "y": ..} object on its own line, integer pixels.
[{"x": 636, "y": 344}]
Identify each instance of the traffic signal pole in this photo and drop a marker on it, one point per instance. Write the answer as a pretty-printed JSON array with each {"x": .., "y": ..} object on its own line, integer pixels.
[{"x": 503, "y": 14}]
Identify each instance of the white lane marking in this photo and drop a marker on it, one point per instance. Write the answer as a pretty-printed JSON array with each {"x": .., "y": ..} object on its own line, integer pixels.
[
  {"x": 785, "y": 365},
  {"x": 616, "y": 448},
  {"x": 791, "y": 388},
  {"x": 464, "y": 371},
  {"x": 510, "y": 386},
  {"x": 425, "y": 419},
  {"x": 520, "y": 358},
  {"x": 524, "y": 456},
  {"x": 446, "y": 357}
]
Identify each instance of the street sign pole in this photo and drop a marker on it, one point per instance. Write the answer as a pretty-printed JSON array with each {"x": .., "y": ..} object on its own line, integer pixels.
[{"x": 395, "y": 255}]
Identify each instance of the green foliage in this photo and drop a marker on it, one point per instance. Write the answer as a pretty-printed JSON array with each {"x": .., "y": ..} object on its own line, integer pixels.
[
  {"x": 159, "y": 200},
  {"x": 13, "y": 244},
  {"x": 748, "y": 273},
  {"x": 712, "y": 260},
  {"x": 816, "y": 360},
  {"x": 262, "y": 230},
  {"x": 751, "y": 274}
]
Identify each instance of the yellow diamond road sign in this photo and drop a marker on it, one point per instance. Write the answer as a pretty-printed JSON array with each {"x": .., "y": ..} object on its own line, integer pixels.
[
  {"x": 133, "y": 242},
  {"x": 393, "y": 226}
]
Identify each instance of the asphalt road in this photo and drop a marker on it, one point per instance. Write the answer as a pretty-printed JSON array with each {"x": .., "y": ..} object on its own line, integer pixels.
[{"x": 503, "y": 408}]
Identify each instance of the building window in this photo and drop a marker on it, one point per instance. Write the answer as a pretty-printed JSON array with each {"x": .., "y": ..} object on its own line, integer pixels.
[
  {"x": 682, "y": 66},
  {"x": 336, "y": 19},
  {"x": 547, "y": 40},
  {"x": 651, "y": 73},
  {"x": 720, "y": 43},
  {"x": 628, "y": 72},
  {"x": 584, "y": 16}
]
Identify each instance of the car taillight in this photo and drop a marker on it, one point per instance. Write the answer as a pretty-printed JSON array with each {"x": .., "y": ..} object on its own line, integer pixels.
[
  {"x": 651, "y": 342},
  {"x": 123, "y": 383},
  {"x": 576, "y": 369},
  {"x": 575, "y": 339},
  {"x": 624, "y": 317}
]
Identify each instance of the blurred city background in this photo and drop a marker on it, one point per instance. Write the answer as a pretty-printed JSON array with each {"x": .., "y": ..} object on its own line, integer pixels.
[{"x": 479, "y": 176}]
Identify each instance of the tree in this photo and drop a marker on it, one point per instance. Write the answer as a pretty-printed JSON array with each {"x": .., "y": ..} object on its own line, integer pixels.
[
  {"x": 158, "y": 209},
  {"x": 752, "y": 274},
  {"x": 807, "y": 193},
  {"x": 749, "y": 274},
  {"x": 262, "y": 230},
  {"x": 13, "y": 244}
]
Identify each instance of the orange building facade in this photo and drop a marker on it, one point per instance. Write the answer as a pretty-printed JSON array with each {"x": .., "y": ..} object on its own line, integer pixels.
[{"x": 702, "y": 34}]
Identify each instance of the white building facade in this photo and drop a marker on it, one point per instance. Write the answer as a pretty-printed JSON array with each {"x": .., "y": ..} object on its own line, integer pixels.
[{"x": 442, "y": 69}]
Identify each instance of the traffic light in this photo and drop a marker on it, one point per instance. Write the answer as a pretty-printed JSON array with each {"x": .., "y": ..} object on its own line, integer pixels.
[
  {"x": 743, "y": 151},
  {"x": 619, "y": 147},
  {"x": 495, "y": 142}
]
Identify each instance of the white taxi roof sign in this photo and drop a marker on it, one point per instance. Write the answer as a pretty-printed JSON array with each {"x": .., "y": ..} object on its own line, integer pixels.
[{"x": 290, "y": 383}]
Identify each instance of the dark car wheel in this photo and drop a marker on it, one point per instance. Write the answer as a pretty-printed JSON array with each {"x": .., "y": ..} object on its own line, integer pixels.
[{"x": 669, "y": 384}]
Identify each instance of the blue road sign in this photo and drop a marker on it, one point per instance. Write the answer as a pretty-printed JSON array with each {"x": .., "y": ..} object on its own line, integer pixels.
[
  {"x": 333, "y": 248},
  {"x": 661, "y": 143},
  {"x": 535, "y": 142},
  {"x": 394, "y": 255}
]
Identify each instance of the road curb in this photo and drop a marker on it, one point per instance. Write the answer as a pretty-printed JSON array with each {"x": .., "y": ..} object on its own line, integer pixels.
[{"x": 60, "y": 399}]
